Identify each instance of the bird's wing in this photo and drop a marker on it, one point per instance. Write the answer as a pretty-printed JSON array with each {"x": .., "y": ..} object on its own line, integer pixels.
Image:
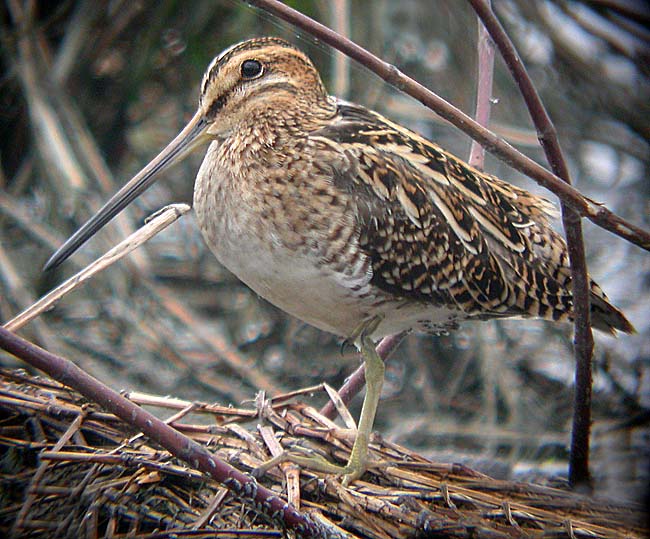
[{"x": 439, "y": 231}]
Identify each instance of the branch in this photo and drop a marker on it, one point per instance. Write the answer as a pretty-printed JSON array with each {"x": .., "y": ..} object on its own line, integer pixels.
[
  {"x": 595, "y": 212},
  {"x": 195, "y": 455},
  {"x": 485, "y": 76},
  {"x": 584, "y": 342}
]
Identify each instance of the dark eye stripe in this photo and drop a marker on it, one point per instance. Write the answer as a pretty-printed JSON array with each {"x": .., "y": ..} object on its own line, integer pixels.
[{"x": 216, "y": 106}]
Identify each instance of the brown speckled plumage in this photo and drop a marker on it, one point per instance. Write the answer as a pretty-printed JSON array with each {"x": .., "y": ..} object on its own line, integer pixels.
[
  {"x": 352, "y": 190},
  {"x": 441, "y": 232},
  {"x": 353, "y": 223}
]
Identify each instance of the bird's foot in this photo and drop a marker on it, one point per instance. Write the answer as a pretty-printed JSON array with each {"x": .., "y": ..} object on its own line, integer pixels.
[
  {"x": 353, "y": 470},
  {"x": 358, "y": 461}
]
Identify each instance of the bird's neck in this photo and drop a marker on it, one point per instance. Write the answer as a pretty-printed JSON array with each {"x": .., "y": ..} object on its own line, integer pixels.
[
  {"x": 271, "y": 131},
  {"x": 296, "y": 115}
]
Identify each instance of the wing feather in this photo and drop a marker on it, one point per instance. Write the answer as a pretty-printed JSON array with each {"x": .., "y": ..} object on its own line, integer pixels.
[{"x": 439, "y": 231}]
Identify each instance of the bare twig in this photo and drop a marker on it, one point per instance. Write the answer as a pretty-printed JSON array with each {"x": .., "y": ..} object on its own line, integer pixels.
[
  {"x": 291, "y": 471},
  {"x": 584, "y": 343},
  {"x": 160, "y": 221},
  {"x": 198, "y": 457},
  {"x": 586, "y": 207},
  {"x": 357, "y": 379},
  {"x": 484, "y": 79}
]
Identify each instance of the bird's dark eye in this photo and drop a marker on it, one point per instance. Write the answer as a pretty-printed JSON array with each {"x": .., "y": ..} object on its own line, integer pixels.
[{"x": 251, "y": 69}]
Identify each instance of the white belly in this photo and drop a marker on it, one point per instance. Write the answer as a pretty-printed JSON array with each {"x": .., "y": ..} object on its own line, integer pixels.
[
  {"x": 292, "y": 283},
  {"x": 318, "y": 296}
]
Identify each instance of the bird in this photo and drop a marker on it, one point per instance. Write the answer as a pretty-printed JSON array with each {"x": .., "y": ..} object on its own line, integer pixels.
[{"x": 353, "y": 223}]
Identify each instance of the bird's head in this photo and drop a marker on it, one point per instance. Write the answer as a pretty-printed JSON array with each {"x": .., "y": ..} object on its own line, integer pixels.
[{"x": 263, "y": 77}]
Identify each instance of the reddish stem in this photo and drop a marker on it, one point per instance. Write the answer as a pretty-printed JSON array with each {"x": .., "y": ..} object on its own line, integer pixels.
[
  {"x": 583, "y": 340},
  {"x": 485, "y": 75},
  {"x": 357, "y": 379}
]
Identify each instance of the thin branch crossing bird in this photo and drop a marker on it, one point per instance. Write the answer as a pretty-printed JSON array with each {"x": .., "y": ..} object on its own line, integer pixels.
[{"x": 353, "y": 223}]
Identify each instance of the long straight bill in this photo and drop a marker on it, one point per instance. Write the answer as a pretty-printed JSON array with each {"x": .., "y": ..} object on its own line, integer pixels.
[{"x": 192, "y": 136}]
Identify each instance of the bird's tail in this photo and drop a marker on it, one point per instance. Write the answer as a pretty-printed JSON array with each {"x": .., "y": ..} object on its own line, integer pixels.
[{"x": 605, "y": 316}]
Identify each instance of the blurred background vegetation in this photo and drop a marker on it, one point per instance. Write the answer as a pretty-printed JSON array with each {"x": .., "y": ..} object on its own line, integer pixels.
[{"x": 91, "y": 90}]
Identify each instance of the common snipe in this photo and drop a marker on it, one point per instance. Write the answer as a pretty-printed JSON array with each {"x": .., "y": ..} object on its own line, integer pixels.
[{"x": 351, "y": 222}]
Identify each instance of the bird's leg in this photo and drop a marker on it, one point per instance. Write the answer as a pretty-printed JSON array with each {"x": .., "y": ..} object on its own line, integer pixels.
[
  {"x": 374, "y": 370},
  {"x": 358, "y": 460}
]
